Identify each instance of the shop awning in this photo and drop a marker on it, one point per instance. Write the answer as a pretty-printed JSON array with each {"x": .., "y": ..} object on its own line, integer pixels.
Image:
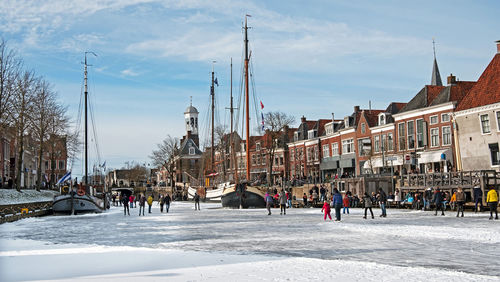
[
  {"x": 435, "y": 156},
  {"x": 377, "y": 161}
]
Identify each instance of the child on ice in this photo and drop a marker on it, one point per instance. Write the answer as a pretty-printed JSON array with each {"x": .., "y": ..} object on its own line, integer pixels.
[{"x": 326, "y": 209}]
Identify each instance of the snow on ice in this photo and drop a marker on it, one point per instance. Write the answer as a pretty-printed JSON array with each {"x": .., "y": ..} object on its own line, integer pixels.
[
  {"x": 12, "y": 196},
  {"x": 247, "y": 245}
]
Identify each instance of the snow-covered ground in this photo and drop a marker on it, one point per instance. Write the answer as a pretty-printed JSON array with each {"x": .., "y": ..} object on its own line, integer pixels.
[
  {"x": 12, "y": 196},
  {"x": 247, "y": 245}
]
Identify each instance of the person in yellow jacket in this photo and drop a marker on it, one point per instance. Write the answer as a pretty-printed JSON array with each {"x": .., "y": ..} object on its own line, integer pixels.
[
  {"x": 150, "y": 202},
  {"x": 492, "y": 201}
]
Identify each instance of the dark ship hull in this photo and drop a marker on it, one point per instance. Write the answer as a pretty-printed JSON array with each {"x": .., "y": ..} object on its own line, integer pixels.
[{"x": 247, "y": 197}]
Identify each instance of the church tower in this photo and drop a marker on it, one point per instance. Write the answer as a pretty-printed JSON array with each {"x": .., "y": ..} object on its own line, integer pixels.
[{"x": 191, "y": 121}]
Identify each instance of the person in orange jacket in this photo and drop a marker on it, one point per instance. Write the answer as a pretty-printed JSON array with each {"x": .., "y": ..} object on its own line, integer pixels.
[
  {"x": 326, "y": 209},
  {"x": 346, "y": 203}
]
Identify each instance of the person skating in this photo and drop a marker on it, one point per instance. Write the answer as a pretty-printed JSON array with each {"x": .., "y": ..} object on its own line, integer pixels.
[
  {"x": 346, "y": 204},
  {"x": 131, "y": 200},
  {"x": 492, "y": 201},
  {"x": 282, "y": 200},
  {"x": 478, "y": 198},
  {"x": 337, "y": 203},
  {"x": 382, "y": 198},
  {"x": 126, "y": 209},
  {"x": 150, "y": 203},
  {"x": 326, "y": 210},
  {"x": 304, "y": 199},
  {"x": 167, "y": 201},
  {"x": 367, "y": 200},
  {"x": 269, "y": 203},
  {"x": 161, "y": 202},
  {"x": 438, "y": 201},
  {"x": 289, "y": 198},
  {"x": 460, "y": 201},
  {"x": 196, "y": 200},
  {"x": 142, "y": 204}
]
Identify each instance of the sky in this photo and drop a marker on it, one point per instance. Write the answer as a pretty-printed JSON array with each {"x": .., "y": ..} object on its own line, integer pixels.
[{"x": 309, "y": 58}]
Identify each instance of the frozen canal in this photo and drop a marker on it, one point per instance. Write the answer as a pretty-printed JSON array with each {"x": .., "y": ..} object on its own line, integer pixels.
[{"x": 247, "y": 245}]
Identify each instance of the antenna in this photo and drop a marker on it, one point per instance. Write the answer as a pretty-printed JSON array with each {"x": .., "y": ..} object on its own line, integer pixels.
[
  {"x": 191, "y": 101},
  {"x": 434, "y": 47}
]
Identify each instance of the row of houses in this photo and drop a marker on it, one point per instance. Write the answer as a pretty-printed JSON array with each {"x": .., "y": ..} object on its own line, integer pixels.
[
  {"x": 451, "y": 127},
  {"x": 54, "y": 159}
]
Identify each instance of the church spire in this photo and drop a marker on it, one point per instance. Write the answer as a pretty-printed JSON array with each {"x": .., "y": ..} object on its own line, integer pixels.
[{"x": 436, "y": 76}]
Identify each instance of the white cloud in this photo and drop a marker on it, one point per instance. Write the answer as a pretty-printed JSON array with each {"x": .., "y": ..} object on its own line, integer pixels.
[{"x": 129, "y": 72}]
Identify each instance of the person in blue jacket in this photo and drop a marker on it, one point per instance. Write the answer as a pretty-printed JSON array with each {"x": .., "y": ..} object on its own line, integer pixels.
[
  {"x": 337, "y": 203},
  {"x": 438, "y": 201}
]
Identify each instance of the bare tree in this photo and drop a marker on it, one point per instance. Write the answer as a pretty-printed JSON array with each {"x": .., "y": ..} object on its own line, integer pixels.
[
  {"x": 275, "y": 123},
  {"x": 10, "y": 66},
  {"x": 222, "y": 145},
  {"x": 21, "y": 108},
  {"x": 165, "y": 155}
]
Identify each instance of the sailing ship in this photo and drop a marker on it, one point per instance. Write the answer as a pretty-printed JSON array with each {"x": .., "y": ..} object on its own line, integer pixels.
[
  {"x": 83, "y": 199},
  {"x": 242, "y": 195}
]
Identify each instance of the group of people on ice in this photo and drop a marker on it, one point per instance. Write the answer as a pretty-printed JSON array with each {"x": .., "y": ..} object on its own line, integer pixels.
[
  {"x": 130, "y": 201},
  {"x": 342, "y": 203}
]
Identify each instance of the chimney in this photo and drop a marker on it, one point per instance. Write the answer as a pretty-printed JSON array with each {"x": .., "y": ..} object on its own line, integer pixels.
[
  {"x": 356, "y": 109},
  {"x": 452, "y": 80},
  {"x": 498, "y": 46},
  {"x": 303, "y": 119},
  {"x": 333, "y": 122}
]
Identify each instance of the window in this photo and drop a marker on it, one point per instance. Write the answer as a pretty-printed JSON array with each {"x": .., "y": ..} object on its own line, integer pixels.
[
  {"x": 281, "y": 160},
  {"x": 335, "y": 149},
  {"x": 485, "y": 123},
  {"x": 316, "y": 153},
  {"x": 495, "y": 154},
  {"x": 498, "y": 120},
  {"x": 61, "y": 165},
  {"x": 434, "y": 119},
  {"x": 401, "y": 136},
  {"x": 446, "y": 135},
  {"x": 347, "y": 146},
  {"x": 435, "y": 137},
  {"x": 253, "y": 159},
  {"x": 363, "y": 128},
  {"x": 364, "y": 146},
  {"x": 46, "y": 164},
  {"x": 390, "y": 142},
  {"x": 383, "y": 144},
  {"x": 421, "y": 133},
  {"x": 292, "y": 154},
  {"x": 326, "y": 151},
  {"x": 381, "y": 119},
  {"x": 329, "y": 129},
  {"x": 445, "y": 117},
  {"x": 257, "y": 146},
  {"x": 191, "y": 151},
  {"x": 263, "y": 159},
  {"x": 376, "y": 144},
  {"x": 311, "y": 134},
  {"x": 411, "y": 134}
]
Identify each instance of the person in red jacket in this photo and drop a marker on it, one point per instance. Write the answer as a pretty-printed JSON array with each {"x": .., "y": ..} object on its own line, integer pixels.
[
  {"x": 326, "y": 209},
  {"x": 346, "y": 203}
]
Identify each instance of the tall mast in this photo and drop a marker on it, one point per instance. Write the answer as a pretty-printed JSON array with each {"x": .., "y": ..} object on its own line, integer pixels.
[
  {"x": 85, "y": 179},
  {"x": 212, "y": 93},
  {"x": 247, "y": 102},
  {"x": 233, "y": 152}
]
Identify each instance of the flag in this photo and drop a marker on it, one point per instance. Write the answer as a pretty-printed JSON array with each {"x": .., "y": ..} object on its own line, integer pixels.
[
  {"x": 261, "y": 105},
  {"x": 65, "y": 177},
  {"x": 262, "y": 120},
  {"x": 216, "y": 82}
]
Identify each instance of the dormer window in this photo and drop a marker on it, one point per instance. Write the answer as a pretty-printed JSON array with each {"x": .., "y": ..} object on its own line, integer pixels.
[
  {"x": 329, "y": 129},
  {"x": 381, "y": 119},
  {"x": 346, "y": 122},
  {"x": 311, "y": 134},
  {"x": 296, "y": 136},
  {"x": 191, "y": 151}
]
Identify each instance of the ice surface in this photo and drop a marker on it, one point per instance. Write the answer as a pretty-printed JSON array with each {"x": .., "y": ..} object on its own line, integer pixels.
[{"x": 247, "y": 245}]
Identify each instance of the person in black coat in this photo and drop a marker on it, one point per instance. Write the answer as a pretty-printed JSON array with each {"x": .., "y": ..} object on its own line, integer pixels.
[
  {"x": 382, "y": 198},
  {"x": 167, "y": 201},
  {"x": 478, "y": 198},
  {"x": 438, "y": 201}
]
